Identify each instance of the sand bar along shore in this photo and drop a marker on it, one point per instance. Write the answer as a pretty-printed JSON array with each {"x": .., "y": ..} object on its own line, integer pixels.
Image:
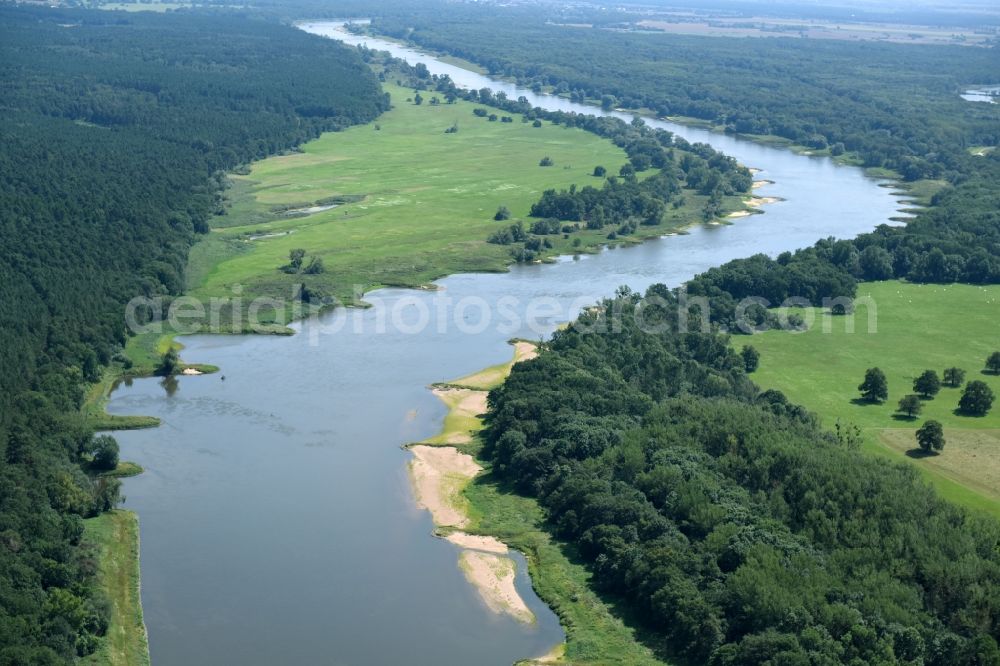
[{"x": 439, "y": 471}]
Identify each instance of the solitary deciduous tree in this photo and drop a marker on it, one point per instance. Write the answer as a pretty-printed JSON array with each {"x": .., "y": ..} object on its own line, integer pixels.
[
  {"x": 418, "y": 99},
  {"x": 927, "y": 384},
  {"x": 295, "y": 258},
  {"x": 954, "y": 377},
  {"x": 875, "y": 387},
  {"x": 910, "y": 405},
  {"x": 105, "y": 450},
  {"x": 930, "y": 436},
  {"x": 546, "y": 161},
  {"x": 170, "y": 362},
  {"x": 315, "y": 266},
  {"x": 503, "y": 213},
  {"x": 751, "y": 358},
  {"x": 993, "y": 363},
  {"x": 977, "y": 399},
  {"x": 600, "y": 171}
]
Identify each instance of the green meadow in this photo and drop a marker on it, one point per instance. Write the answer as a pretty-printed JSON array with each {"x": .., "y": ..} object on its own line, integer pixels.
[
  {"x": 916, "y": 328},
  {"x": 412, "y": 202},
  {"x": 427, "y": 198},
  {"x": 114, "y": 537}
]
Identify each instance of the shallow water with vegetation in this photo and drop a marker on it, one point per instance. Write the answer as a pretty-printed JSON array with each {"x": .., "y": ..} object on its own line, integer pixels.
[{"x": 276, "y": 515}]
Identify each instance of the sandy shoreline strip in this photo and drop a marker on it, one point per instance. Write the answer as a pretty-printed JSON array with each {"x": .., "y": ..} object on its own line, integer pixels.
[
  {"x": 754, "y": 202},
  {"x": 465, "y": 406},
  {"x": 439, "y": 472},
  {"x": 493, "y": 577},
  {"x": 486, "y": 544},
  {"x": 524, "y": 351}
]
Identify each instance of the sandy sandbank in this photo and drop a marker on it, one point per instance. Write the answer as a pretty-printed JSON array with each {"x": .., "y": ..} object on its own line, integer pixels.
[
  {"x": 464, "y": 404},
  {"x": 524, "y": 351},
  {"x": 438, "y": 474},
  {"x": 493, "y": 577},
  {"x": 494, "y": 375},
  {"x": 486, "y": 544}
]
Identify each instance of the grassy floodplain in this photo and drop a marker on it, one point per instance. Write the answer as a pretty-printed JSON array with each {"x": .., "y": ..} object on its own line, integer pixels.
[
  {"x": 413, "y": 203},
  {"x": 115, "y": 537},
  {"x": 919, "y": 327}
]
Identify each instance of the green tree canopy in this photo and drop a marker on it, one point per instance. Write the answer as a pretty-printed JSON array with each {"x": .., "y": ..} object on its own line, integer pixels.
[
  {"x": 977, "y": 399},
  {"x": 170, "y": 363},
  {"x": 954, "y": 377},
  {"x": 105, "y": 451},
  {"x": 928, "y": 384},
  {"x": 751, "y": 358},
  {"x": 910, "y": 405},
  {"x": 875, "y": 387},
  {"x": 930, "y": 436}
]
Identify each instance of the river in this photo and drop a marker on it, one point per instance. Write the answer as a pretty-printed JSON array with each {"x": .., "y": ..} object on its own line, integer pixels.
[{"x": 277, "y": 521}]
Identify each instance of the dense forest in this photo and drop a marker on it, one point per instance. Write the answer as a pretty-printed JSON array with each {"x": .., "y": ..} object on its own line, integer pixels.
[
  {"x": 114, "y": 130},
  {"x": 894, "y": 105},
  {"x": 724, "y": 517}
]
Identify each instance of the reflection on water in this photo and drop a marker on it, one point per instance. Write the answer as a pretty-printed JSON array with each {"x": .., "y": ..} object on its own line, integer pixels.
[
  {"x": 276, "y": 516},
  {"x": 170, "y": 385}
]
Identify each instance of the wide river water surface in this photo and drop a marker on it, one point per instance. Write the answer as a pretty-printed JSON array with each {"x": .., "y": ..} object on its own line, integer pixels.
[{"x": 277, "y": 521}]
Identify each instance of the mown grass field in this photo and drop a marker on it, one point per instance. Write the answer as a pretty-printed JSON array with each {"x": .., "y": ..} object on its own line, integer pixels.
[
  {"x": 429, "y": 198},
  {"x": 115, "y": 537},
  {"x": 919, "y": 327}
]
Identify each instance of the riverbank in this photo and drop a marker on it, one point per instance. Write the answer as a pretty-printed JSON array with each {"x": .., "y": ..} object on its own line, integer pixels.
[
  {"x": 114, "y": 537},
  {"x": 440, "y": 472},
  {"x": 115, "y": 534},
  {"x": 484, "y": 520}
]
